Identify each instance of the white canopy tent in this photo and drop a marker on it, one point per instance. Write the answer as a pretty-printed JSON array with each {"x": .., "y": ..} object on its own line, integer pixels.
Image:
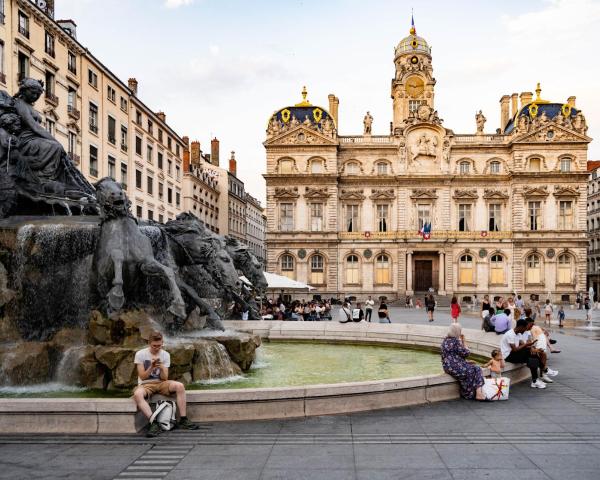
[{"x": 280, "y": 283}]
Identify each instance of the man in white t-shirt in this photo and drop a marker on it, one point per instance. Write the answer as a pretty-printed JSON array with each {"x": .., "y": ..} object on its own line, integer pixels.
[
  {"x": 369, "y": 304},
  {"x": 153, "y": 377},
  {"x": 515, "y": 346}
]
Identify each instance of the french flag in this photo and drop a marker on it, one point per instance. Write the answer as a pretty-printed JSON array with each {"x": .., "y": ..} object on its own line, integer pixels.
[{"x": 426, "y": 231}]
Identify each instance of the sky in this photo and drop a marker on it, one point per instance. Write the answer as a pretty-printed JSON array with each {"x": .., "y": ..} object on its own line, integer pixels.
[{"x": 222, "y": 67}]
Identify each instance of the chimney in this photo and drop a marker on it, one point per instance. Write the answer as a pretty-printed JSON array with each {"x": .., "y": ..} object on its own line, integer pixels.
[
  {"x": 526, "y": 97},
  {"x": 186, "y": 140},
  {"x": 233, "y": 164},
  {"x": 132, "y": 83},
  {"x": 186, "y": 155},
  {"x": 214, "y": 152},
  {"x": 571, "y": 101},
  {"x": 68, "y": 26},
  {"x": 334, "y": 103},
  {"x": 504, "y": 114},
  {"x": 195, "y": 153},
  {"x": 514, "y": 104},
  {"x": 162, "y": 116}
]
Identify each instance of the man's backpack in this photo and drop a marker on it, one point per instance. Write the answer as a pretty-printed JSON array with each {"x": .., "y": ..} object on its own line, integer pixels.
[{"x": 165, "y": 414}]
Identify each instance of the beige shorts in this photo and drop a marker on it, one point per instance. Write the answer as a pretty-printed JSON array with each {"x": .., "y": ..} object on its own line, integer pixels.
[{"x": 155, "y": 387}]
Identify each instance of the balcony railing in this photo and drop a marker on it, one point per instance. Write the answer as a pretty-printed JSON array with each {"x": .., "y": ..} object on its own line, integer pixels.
[
  {"x": 435, "y": 235},
  {"x": 93, "y": 128},
  {"x": 73, "y": 112},
  {"x": 72, "y": 69},
  {"x": 51, "y": 98},
  {"x": 24, "y": 31},
  {"x": 123, "y": 147},
  {"x": 112, "y": 140},
  {"x": 50, "y": 51},
  {"x": 74, "y": 158},
  {"x": 93, "y": 172}
]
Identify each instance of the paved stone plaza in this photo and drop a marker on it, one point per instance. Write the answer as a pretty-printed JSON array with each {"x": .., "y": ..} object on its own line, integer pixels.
[{"x": 551, "y": 434}]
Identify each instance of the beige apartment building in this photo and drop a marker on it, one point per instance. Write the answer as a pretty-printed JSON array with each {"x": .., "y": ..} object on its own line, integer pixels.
[
  {"x": 104, "y": 126},
  {"x": 255, "y": 227},
  {"x": 593, "y": 226},
  {"x": 350, "y": 214}
]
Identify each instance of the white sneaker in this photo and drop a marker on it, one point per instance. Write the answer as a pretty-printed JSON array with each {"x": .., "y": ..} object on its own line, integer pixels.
[
  {"x": 538, "y": 384},
  {"x": 551, "y": 373},
  {"x": 546, "y": 379}
]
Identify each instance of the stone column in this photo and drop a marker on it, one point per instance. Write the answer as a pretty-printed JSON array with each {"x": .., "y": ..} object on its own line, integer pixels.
[
  {"x": 409, "y": 274},
  {"x": 442, "y": 274}
]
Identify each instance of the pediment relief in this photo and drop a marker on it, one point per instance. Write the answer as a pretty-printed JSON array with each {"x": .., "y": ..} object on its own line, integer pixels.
[
  {"x": 50, "y": 112},
  {"x": 470, "y": 194},
  {"x": 424, "y": 194},
  {"x": 560, "y": 191},
  {"x": 352, "y": 195},
  {"x": 535, "y": 191},
  {"x": 283, "y": 193},
  {"x": 300, "y": 135},
  {"x": 491, "y": 194},
  {"x": 316, "y": 193},
  {"x": 72, "y": 125},
  {"x": 551, "y": 132},
  {"x": 382, "y": 194}
]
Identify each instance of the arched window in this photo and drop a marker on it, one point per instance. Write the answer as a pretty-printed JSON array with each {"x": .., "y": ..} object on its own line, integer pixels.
[
  {"x": 317, "y": 270},
  {"x": 352, "y": 168},
  {"x": 565, "y": 164},
  {"x": 287, "y": 266},
  {"x": 316, "y": 166},
  {"x": 352, "y": 269},
  {"x": 535, "y": 164},
  {"x": 286, "y": 166},
  {"x": 494, "y": 167},
  {"x": 564, "y": 269},
  {"x": 382, "y": 269},
  {"x": 464, "y": 168},
  {"x": 382, "y": 168},
  {"x": 497, "y": 270},
  {"x": 465, "y": 269},
  {"x": 534, "y": 269}
]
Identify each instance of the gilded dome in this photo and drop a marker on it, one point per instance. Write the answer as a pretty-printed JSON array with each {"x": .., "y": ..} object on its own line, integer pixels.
[
  {"x": 413, "y": 43},
  {"x": 303, "y": 112}
]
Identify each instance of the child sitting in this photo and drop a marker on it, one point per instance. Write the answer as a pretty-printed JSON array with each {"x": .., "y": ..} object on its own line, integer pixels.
[{"x": 496, "y": 364}]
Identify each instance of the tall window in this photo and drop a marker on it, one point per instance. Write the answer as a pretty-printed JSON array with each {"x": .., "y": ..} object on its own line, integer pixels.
[
  {"x": 112, "y": 167},
  {"x": 565, "y": 164},
  {"x": 287, "y": 266},
  {"x": 112, "y": 130},
  {"x": 72, "y": 145},
  {"x": 23, "y": 24},
  {"x": 423, "y": 215},
  {"x": 138, "y": 179},
  {"x": 564, "y": 269},
  {"x": 71, "y": 100},
  {"x": 149, "y": 153},
  {"x": 2, "y": 75},
  {"x": 317, "y": 270},
  {"x": 124, "y": 104},
  {"x": 464, "y": 217},
  {"x": 23, "y": 66},
  {"x": 111, "y": 93},
  {"x": 382, "y": 218},
  {"x": 50, "y": 87},
  {"x": 159, "y": 160},
  {"x": 382, "y": 269},
  {"x": 72, "y": 62},
  {"x": 382, "y": 168},
  {"x": 565, "y": 215},
  {"x": 138, "y": 145},
  {"x": 533, "y": 272},
  {"x": 316, "y": 217},
  {"x": 352, "y": 269},
  {"x": 465, "y": 269},
  {"x": 286, "y": 217},
  {"x": 494, "y": 167},
  {"x": 494, "y": 217},
  {"x": 150, "y": 126},
  {"x": 464, "y": 168},
  {"x": 497, "y": 270},
  {"x": 535, "y": 215},
  {"x": 92, "y": 78},
  {"x": 93, "y": 161},
  {"x": 352, "y": 218},
  {"x": 286, "y": 166},
  {"x": 50, "y": 126},
  {"x": 535, "y": 165},
  {"x": 49, "y": 45},
  {"x": 1, "y": 11},
  {"x": 93, "y": 118},
  {"x": 150, "y": 184},
  {"x": 161, "y": 189},
  {"x": 316, "y": 166},
  {"x": 124, "y": 138},
  {"x": 124, "y": 175}
]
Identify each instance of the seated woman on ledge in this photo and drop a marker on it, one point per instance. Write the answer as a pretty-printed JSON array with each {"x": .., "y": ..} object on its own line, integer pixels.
[{"x": 454, "y": 354}]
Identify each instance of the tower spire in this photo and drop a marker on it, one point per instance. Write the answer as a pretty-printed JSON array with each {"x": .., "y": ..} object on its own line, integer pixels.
[{"x": 413, "y": 30}]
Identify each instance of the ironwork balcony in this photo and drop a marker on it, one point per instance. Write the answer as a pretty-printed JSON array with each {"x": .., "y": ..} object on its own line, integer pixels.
[
  {"x": 24, "y": 31},
  {"x": 93, "y": 128},
  {"x": 73, "y": 112},
  {"x": 51, "y": 98},
  {"x": 112, "y": 140},
  {"x": 50, "y": 51},
  {"x": 123, "y": 147}
]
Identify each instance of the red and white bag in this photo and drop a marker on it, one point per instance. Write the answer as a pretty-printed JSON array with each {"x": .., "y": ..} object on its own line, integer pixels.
[{"x": 496, "y": 388}]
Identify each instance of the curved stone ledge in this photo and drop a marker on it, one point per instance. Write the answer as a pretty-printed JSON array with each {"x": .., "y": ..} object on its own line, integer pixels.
[{"x": 118, "y": 415}]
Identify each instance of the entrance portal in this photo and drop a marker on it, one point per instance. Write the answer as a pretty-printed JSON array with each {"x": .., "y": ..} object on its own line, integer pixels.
[{"x": 423, "y": 275}]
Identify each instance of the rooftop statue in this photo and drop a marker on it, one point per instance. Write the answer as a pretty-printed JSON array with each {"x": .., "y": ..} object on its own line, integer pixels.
[{"x": 37, "y": 176}]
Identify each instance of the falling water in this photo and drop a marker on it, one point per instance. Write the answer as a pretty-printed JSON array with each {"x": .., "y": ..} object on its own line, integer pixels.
[
  {"x": 68, "y": 367},
  {"x": 218, "y": 363}
]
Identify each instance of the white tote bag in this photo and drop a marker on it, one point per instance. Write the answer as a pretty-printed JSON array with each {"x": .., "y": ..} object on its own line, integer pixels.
[{"x": 496, "y": 388}]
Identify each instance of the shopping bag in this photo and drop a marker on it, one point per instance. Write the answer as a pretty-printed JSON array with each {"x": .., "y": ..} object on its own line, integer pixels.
[{"x": 496, "y": 388}]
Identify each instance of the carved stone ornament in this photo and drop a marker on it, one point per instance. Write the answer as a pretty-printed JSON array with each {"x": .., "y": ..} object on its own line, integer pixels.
[
  {"x": 550, "y": 253},
  {"x": 566, "y": 191},
  {"x": 367, "y": 253},
  {"x": 302, "y": 254},
  {"x": 317, "y": 192},
  {"x": 483, "y": 253},
  {"x": 426, "y": 145},
  {"x": 286, "y": 192},
  {"x": 382, "y": 194},
  {"x": 535, "y": 191},
  {"x": 424, "y": 194},
  {"x": 495, "y": 194},
  {"x": 466, "y": 194},
  {"x": 352, "y": 195}
]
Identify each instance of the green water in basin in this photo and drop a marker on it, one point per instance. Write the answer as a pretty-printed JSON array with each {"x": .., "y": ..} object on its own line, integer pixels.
[{"x": 287, "y": 364}]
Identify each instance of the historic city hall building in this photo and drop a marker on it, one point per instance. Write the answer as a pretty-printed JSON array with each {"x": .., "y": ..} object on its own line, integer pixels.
[{"x": 507, "y": 210}]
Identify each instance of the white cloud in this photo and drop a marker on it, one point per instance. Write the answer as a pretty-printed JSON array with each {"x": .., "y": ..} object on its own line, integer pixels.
[{"x": 177, "y": 3}]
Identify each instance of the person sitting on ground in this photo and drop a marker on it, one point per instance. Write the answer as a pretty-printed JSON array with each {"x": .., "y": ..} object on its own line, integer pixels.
[
  {"x": 383, "y": 313},
  {"x": 454, "y": 309},
  {"x": 495, "y": 364},
  {"x": 501, "y": 322},
  {"x": 516, "y": 350},
  {"x": 561, "y": 316},
  {"x": 357, "y": 313},
  {"x": 345, "y": 314},
  {"x": 153, "y": 377},
  {"x": 454, "y": 361}
]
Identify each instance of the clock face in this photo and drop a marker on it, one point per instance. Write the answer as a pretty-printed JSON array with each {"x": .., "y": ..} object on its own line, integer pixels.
[{"x": 415, "y": 86}]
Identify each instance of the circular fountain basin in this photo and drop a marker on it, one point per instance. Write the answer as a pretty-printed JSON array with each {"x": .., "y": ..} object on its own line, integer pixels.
[{"x": 118, "y": 415}]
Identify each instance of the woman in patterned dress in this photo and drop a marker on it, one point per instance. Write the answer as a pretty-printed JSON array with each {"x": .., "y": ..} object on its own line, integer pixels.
[{"x": 454, "y": 362}]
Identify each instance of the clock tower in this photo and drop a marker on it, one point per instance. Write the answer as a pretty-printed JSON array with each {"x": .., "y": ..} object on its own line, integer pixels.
[{"x": 413, "y": 84}]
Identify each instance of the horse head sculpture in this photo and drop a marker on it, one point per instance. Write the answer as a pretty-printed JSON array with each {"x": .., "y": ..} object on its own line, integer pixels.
[{"x": 245, "y": 261}]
